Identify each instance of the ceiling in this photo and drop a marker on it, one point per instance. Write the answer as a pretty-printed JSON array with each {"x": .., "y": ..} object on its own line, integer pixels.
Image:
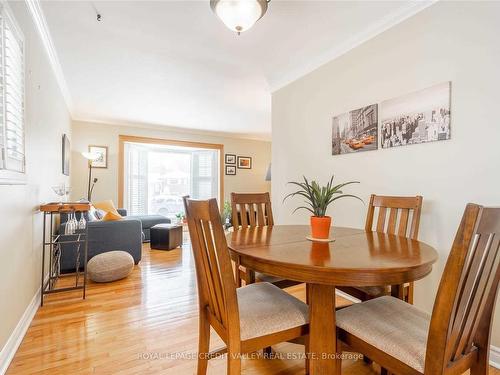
[{"x": 174, "y": 63}]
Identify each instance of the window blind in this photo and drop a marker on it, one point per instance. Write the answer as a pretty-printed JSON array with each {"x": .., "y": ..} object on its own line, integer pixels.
[{"x": 12, "y": 139}]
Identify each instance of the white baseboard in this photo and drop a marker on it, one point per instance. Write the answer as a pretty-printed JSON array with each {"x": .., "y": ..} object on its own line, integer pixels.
[
  {"x": 346, "y": 296},
  {"x": 495, "y": 356},
  {"x": 15, "y": 339}
]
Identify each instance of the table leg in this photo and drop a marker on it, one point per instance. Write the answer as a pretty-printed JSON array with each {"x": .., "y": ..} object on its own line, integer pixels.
[
  {"x": 398, "y": 291},
  {"x": 324, "y": 358}
]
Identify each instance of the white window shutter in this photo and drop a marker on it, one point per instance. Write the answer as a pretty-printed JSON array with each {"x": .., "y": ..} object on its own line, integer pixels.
[
  {"x": 13, "y": 97},
  {"x": 12, "y": 86},
  {"x": 205, "y": 174}
]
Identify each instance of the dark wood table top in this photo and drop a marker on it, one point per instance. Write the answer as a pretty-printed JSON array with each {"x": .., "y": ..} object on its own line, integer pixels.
[{"x": 355, "y": 258}]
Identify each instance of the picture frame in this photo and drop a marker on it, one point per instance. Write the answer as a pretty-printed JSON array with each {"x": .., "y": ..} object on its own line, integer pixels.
[
  {"x": 244, "y": 162},
  {"x": 230, "y": 159},
  {"x": 66, "y": 155},
  {"x": 355, "y": 131},
  {"x": 102, "y": 151},
  {"x": 418, "y": 117},
  {"x": 230, "y": 170}
]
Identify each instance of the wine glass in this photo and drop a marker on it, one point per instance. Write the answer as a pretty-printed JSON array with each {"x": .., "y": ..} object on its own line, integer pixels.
[
  {"x": 67, "y": 190},
  {"x": 82, "y": 223},
  {"x": 69, "y": 224},
  {"x": 60, "y": 190}
]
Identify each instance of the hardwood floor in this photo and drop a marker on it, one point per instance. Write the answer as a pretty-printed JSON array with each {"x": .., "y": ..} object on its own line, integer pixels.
[{"x": 144, "y": 324}]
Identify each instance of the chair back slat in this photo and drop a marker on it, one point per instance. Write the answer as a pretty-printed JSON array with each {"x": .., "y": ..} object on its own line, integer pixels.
[
  {"x": 261, "y": 221},
  {"x": 214, "y": 271},
  {"x": 480, "y": 288},
  {"x": 216, "y": 285},
  {"x": 403, "y": 222},
  {"x": 251, "y": 210},
  {"x": 243, "y": 215},
  {"x": 251, "y": 215},
  {"x": 393, "y": 216},
  {"x": 400, "y": 209},
  {"x": 382, "y": 212},
  {"x": 462, "y": 315}
]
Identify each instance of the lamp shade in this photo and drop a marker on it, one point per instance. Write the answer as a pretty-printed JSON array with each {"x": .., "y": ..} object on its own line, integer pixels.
[
  {"x": 268, "y": 174},
  {"x": 239, "y": 15},
  {"x": 90, "y": 155}
]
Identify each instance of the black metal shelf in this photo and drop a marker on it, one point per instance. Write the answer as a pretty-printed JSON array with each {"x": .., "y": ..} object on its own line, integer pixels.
[{"x": 53, "y": 245}]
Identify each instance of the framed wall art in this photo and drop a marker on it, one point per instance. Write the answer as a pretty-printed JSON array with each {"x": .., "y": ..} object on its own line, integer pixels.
[
  {"x": 102, "y": 160},
  {"x": 244, "y": 162}
]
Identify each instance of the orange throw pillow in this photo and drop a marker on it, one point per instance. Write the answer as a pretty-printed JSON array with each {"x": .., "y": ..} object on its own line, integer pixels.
[
  {"x": 110, "y": 209},
  {"x": 111, "y": 216}
]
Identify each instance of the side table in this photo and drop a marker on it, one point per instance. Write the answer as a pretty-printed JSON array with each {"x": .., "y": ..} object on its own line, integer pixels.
[{"x": 52, "y": 245}]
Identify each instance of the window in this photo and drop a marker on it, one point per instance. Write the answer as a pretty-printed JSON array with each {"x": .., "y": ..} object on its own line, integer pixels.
[
  {"x": 156, "y": 175},
  {"x": 12, "y": 141}
]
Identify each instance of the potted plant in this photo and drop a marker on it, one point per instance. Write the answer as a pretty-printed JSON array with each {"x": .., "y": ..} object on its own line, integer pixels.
[
  {"x": 226, "y": 215},
  {"x": 317, "y": 200}
]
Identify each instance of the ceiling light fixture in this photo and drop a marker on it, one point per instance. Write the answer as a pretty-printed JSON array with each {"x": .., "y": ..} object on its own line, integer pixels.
[{"x": 239, "y": 15}]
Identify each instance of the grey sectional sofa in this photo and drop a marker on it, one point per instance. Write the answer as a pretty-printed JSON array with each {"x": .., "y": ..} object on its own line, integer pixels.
[{"x": 126, "y": 235}]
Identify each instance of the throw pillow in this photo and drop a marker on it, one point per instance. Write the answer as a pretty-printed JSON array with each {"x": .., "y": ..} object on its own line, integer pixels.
[
  {"x": 111, "y": 216},
  {"x": 92, "y": 214},
  {"x": 109, "y": 208}
]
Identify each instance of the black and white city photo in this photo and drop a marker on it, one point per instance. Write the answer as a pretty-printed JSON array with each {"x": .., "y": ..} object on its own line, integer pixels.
[
  {"x": 419, "y": 117},
  {"x": 355, "y": 131}
]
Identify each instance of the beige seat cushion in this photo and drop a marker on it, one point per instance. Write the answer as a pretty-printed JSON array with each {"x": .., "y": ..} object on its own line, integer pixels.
[
  {"x": 391, "y": 325},
  {"x": 265, "y": 309},
  {"x": 375, "y": 290},
  {"x": 110, "y": 266}
]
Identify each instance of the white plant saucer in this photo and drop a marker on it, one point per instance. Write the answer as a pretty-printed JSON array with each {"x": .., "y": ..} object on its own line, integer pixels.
[{"x": 320, "y": 239}]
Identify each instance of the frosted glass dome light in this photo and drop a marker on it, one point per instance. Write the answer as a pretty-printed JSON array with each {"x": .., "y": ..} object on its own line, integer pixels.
[{"x": 239, "y": 15}]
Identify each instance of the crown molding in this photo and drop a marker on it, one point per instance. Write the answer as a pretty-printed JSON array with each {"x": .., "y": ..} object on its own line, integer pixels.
[
  {"x": 35, "y": 9},
  {"x": 392, "y": 19},
  {"x": 82, "y": 120}
]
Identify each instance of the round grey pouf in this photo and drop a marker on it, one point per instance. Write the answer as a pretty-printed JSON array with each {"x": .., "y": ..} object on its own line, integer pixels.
[{"x": 110, "y": 266}]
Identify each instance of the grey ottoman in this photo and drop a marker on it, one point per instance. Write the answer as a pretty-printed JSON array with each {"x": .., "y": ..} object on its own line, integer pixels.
[
  {"x": 166, "y": 236},
  {"x": 110, "y": 266}
]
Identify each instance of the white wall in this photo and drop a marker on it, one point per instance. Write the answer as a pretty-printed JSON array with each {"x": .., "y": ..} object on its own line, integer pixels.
[
  {"x": 47, "y": 119},
  {"x": 85, "y": 134},
  {"x": 450, "y": 41}
]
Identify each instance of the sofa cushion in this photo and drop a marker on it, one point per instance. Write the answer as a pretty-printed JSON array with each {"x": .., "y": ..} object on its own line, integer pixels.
[{"x": 149, "y": 221}]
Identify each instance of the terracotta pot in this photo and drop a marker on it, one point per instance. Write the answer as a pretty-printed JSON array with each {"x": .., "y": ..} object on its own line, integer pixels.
[{"x": 320, "y": 227}]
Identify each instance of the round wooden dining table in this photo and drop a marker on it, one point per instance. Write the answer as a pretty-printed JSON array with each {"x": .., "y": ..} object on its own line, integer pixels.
[{"x": 355, "y": 258}]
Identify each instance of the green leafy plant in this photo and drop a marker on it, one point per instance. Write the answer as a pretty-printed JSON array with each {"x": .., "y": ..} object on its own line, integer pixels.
[
  {"x": 226, "y": 215},
  {"x": 318, "y": 198}
]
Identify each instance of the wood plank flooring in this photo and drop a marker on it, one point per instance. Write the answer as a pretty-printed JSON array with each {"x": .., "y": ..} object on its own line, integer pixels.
[{"x": 144, "y": 324}]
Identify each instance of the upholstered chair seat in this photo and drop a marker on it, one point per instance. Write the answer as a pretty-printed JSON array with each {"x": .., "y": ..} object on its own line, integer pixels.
[
  {"x": 391, "y": 325},
  {"x": 265, "y": 309},
  {"x": 375, "y": 290}
]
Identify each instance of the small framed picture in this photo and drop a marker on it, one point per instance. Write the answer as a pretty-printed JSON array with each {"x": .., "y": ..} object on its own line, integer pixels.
[
  {"x": 230, "y": 159},
  {"x": 244, "y": 162},
  {"x": 102, "y": 160},
  {"x": 230, "y": 170}
]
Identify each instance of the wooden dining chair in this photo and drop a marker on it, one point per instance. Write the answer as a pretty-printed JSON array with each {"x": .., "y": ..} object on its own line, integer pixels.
[
  {"x": 246, "y": 319},
  {"x": 456, "y": 337},
  {"x": 395, "y": 215},
  {"x": 254, "y": 210}
]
